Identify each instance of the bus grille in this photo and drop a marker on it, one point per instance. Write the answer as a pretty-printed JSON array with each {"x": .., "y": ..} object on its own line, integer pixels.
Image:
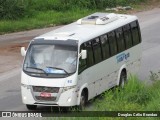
[
  {"x": 45, "y": 98},
  {"x": 45, "y": 89},
  {"x": 37, "y": 90}
]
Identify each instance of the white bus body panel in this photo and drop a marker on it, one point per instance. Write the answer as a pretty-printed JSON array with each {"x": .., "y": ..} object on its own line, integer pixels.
[{"x": 106, "y": 74}]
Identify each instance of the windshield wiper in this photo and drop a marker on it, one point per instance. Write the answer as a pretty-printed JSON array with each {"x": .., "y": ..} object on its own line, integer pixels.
[
  {"x": 37, "y": 69},
  {"x": 58, "y": 69}
]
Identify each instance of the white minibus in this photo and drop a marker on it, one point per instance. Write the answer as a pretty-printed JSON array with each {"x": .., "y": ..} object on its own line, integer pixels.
[{"x": 72, "y": 64}]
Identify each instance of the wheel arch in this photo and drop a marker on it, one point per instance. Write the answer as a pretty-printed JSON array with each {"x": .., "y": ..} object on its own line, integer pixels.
[
  {"x": 85, "y": 89},
  {"x": 123, "y": 68}
]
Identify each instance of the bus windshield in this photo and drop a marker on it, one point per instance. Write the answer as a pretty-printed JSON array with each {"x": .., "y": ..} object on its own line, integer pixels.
[{"x": 51, "y": 60}]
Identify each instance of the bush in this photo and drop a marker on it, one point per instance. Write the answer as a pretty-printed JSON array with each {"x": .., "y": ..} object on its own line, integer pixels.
[
  {"x": 12, "y": 9},
  {"x": 135, "y": 96}
]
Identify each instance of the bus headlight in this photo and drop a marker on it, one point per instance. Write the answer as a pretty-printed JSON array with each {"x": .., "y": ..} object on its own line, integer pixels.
[
  {"x": 68, "y": 88},
  {"x": 69, "y": 99},
  {"x": 25, "y": 86}
]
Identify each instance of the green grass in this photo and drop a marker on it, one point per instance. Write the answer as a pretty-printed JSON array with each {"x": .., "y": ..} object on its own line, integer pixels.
[
  {"x": 135, "y": 96},
  {"x": 43, "y": 19}
]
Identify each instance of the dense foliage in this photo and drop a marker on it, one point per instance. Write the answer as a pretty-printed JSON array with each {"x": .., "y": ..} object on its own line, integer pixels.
[
  {"x": 14, "y": 9},
  {"x": 11, "y": 9}
]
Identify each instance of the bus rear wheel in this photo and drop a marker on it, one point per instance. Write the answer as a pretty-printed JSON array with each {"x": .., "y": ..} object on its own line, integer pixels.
[
  {"x": 31, "y": 107},
  {"x": 123, "y": 79}
]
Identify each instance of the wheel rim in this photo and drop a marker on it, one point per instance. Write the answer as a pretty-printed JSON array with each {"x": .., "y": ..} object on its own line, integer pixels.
[
  {"x": 82, "y": 102},
  {"x": 123, "y": 80}
]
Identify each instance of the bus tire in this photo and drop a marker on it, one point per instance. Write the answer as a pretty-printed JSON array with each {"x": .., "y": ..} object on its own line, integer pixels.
[
  {"x": 83, "y": 100},
  {"x": 123, "y": 79},
  {"x": 31, "y": 107}
]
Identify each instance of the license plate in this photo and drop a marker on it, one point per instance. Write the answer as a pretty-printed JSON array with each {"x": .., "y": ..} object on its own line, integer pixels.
[{"x": 45, "y": 94}]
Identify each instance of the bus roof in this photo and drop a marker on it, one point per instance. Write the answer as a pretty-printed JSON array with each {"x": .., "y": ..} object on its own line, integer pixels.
[{"x": 89, "y": 27}]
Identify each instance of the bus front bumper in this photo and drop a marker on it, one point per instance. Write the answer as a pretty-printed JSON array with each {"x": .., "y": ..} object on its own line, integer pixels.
[{"x": 64, "y": 98}]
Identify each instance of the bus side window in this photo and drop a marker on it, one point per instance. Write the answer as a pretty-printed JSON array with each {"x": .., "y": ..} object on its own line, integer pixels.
[
  {"x": 127, "y": 36},
  {"x": 112, "y": 43},
  {"x": 105, "y": 46},
  {"x": 135, "y": 33},
  {"x": 90, "y": 59},
  {"x": 97, "y": 50},
  {"x": 82, "y": 62},
  {"x": 120, "y": 40},
  {"x": 139, "y": 32}
]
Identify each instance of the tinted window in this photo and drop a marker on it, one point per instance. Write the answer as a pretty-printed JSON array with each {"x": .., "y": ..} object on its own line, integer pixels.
[
  {"x": 97, "y": 50},
  {"x": 127, "y": 36},
  {"x": 82, "y": 62},
  {"x": 135, "y": 33},
  {"x": 105, "y": 46},
  {"x": 120, "y": 40},
  {"x": 90, "y": 60},
  {"x": 112, "y": 43}
]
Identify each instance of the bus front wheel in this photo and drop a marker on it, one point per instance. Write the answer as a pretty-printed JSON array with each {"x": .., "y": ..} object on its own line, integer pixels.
[{"x": 83, "y": 101}]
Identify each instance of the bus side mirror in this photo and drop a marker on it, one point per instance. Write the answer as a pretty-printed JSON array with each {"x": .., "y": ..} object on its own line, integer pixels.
[
  {"x": 23, "y": 51},
  {"x": 84, "y": 54}
]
